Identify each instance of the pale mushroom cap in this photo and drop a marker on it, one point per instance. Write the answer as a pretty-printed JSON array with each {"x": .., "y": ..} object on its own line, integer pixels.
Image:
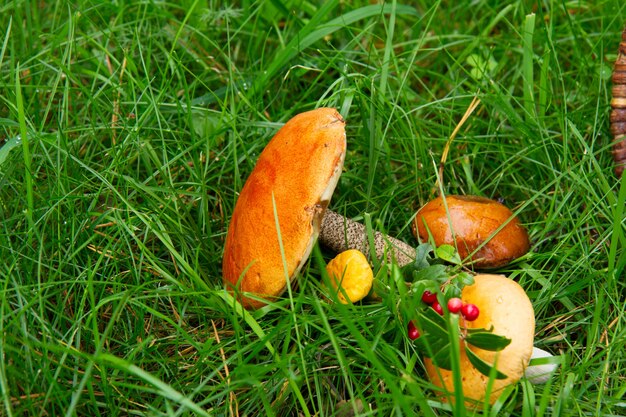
[
  {"x": 473, "y": 221},
  {"x": 503, "y": 305},
  {"x": 299, "y": 168}
]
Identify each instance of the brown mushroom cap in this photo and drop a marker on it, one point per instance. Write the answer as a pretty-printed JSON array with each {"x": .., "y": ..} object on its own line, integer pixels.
[
  {"x": 503, "y": 305},
  {"x": 473, "y": 221},
  {"x": 296, "y": 173}
]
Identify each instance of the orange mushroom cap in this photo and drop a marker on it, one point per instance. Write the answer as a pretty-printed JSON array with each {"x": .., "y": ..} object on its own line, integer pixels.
[{"x": 292, "y": 182}]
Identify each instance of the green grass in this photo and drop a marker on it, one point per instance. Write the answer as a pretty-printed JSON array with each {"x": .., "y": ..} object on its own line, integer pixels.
[{"x": 128, "y": 128}]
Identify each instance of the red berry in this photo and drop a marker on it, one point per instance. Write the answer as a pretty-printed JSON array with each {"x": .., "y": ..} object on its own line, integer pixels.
[
  {"x": 429, "y": 297},
  {"x": 454, "y": 305},
  {"x": 437, "y": 307},
  {"x": 470, "y": 312},
  {"x": 412, "y": 331}
]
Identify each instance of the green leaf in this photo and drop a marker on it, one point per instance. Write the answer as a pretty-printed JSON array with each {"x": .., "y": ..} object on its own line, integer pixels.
[
  {"x": 482, "y": 366},
  {"x": 475, "y": 60},
  {"x": 422, "y": 256},
  {"x": 464, "y": 278},
  {"x": 431, "y": 316},
  {"x": 487, "y": 341},
  {"x": 205, "y": 124},
  {"x": 422, "y": 261},
  {"x": 442, "y": 358},
  {"x": 448, "y": 254},
  {"x": 433, "y": 272},
  {"x": 452, "y": 291},
  {"x": 433, "y": 341}
]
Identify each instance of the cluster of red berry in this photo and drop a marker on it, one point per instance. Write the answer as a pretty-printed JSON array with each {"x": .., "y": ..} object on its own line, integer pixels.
[{"x": 469, "y": 311}]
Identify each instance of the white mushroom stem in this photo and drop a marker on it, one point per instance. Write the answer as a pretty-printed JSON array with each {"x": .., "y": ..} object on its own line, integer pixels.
[{"x": 339, "y": 234}]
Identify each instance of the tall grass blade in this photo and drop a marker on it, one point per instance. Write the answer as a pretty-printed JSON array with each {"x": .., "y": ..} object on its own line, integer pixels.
[
  {"x": 528, "y": 66},
  {"x": 25, "y": 139}
]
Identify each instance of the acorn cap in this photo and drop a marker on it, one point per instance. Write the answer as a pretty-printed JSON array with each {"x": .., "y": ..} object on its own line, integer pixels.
[
  {"x": 473, "y": 221},
  {"x": 505, "y": 307},
  {"x": 296, "y": 174}
]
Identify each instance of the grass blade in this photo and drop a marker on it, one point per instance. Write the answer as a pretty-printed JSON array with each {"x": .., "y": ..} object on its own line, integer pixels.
[
  {"x": 527, "y": 65},
  {"x": 25, "y": 140}
]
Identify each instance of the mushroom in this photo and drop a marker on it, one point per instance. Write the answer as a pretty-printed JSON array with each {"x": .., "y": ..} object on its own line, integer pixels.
[
  {"x": 478, "y": 227},
  {"x": 350, "y": 276},
  {"x": 504, "y": 307},
  {"x": 276, "y": 218}
]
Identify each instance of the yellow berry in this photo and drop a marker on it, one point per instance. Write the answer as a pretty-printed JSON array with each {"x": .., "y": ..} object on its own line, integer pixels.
[{"x": 351, "y": 272}]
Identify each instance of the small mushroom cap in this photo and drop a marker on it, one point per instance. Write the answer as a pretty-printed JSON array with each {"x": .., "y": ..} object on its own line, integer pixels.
[
  {"x": 505, "y": 307},
  {"x": 473, "y": 221},
  {"x": 296, "y": 173},
  {"x": 351, "y": 274}
]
